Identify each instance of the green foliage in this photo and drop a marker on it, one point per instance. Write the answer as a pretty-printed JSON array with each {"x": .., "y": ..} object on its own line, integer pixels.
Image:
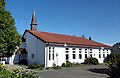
[
  {"x": 9, "y": 37},
  {"x": 23, "y": 74},
  {"x": 112, "y": 58},
  {"x": 91, "y": 60},
  {"x": 35, "y": 66},
  {"x": 4, "y": 73},
  {"x": 113, "y": 61},
  {"x": 67, "y": 64},
  {"x": 57, "y": 67}
]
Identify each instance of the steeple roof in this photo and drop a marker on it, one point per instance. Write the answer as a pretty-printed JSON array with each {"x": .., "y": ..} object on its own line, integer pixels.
[{"x": 33, "y": 22}]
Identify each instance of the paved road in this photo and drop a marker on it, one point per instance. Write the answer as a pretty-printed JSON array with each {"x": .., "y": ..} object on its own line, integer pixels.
[{"x": 93, "y": 71}]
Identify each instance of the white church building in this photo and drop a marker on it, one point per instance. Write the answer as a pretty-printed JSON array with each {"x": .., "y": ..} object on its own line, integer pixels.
[{"x": 50, "y": 48}]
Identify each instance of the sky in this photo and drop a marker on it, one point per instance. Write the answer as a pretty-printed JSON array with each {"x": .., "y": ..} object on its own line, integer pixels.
[{"x": 98, "y": 19}]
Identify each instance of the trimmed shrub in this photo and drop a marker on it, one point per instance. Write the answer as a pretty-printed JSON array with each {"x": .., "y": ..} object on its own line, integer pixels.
[
  {"x": 35, "y": 66},
  {"x": 91, "y": 60},
  {"x": 68, "y": 64}
]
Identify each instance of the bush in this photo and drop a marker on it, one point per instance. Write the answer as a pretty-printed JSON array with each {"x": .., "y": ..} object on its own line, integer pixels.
[
  {"x": 112, "y": 58},
  {"x": 113, "y": 61},
  {"x": 68, "y": 64},
  {"x": 91, "y": 60},
  {"x": 23, "y": 62},
  {"x": 35, "y": 66}
]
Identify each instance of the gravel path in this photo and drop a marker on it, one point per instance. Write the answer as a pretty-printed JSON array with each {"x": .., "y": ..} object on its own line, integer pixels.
[{"x": 93, "y": 71}]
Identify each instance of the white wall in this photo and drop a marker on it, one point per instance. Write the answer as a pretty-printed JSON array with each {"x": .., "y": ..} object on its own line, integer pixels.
[
  {"x": 62, "y": 52},
  {"x": 34, "y": 47}
]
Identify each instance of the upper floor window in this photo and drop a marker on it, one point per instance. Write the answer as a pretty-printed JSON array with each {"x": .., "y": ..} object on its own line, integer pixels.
[
  {"x": 73, "y": 49},
  {"x": 67, "y": 48}
]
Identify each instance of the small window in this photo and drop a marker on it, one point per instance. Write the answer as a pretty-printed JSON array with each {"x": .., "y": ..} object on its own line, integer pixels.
[
  {"x": 80, "y": 56},
  {"x": 99, "y": 50},
  {"x": 90, "y": 52},
  {"x": 32, "y": 56},
  {"x": 73, "y": 56},
  {"x": 85, "y": 55},
  {"x": 103, "y": 49},
  {"x": 73, "y": 49},
  {"x": 49, "y": 47},
  {"x": 67, "y": 48},
  {"x": 90, "y": 49},
  {"x": 67, "y": 51},
  {"x": 80, "y": 51}
]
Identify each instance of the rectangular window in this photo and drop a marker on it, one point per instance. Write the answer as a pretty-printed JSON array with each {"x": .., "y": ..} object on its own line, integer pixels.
[
  {"x": 53, "y": 56},
  {"x": 32, "y": 55},
  {"x": 80, "y": 56},
  {"x": 49, "y": 55},
  {"x": 103, "y": 55},
  {"x": 90, "y": 55},
  {"x": 85, "y": 55},
  {"x": 99, "y": 55},
  {"x": 73, "y": 56},
  {"x": 67, "y": 57}
]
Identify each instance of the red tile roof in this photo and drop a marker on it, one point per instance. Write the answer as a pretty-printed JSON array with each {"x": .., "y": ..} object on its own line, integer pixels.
[{"x": 65, "y": 39}]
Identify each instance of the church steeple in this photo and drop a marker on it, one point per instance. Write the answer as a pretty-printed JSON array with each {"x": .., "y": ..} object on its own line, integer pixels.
[{"x": 33, "y": 22}]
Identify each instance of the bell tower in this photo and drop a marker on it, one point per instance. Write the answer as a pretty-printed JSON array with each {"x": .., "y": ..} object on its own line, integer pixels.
[{"x": 33, "y": 22}]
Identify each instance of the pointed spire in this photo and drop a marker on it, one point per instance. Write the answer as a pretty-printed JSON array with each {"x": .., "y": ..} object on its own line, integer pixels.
[{"x": 33, "y": 22}]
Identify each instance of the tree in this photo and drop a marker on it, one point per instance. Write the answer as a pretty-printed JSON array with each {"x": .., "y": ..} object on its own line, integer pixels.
[
  {"x": 90, "y": 38},
  {"x": 9, "y": 37}
]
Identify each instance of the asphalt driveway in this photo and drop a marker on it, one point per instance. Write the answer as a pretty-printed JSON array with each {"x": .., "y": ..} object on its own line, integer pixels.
[{"x": 91, "y": 71}]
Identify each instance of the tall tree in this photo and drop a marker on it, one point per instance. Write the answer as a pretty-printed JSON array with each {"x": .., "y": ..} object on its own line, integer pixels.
[{"x": 9, "y": 37}]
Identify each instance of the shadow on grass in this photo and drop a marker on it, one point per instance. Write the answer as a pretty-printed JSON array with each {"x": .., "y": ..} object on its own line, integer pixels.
[{"x": 100, "y": 70}]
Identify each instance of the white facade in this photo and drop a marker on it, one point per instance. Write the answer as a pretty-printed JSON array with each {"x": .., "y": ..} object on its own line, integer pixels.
[
  {"x": 58, "y": 55},
  {"x": 35, "y": 49},
  {"x": 40, "y": 53}
]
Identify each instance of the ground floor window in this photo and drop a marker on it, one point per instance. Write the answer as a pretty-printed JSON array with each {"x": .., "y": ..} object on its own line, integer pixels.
[
  {"x": 67, "y": 57},
  {"x": 103, "y": 55},
  {"x": 99, "y": 55},
  {"x": 74, "y": 56},
  {"x": 49, "y": 55},
  {"x": 85, "y": 55},
  {"x": 80, "y": 56}
]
